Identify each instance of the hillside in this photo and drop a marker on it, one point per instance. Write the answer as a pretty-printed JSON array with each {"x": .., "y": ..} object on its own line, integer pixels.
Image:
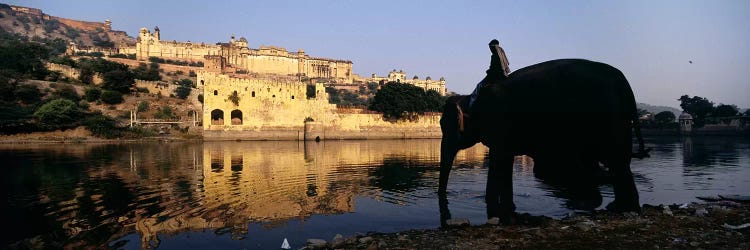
[
  {"x": 35, "y": 24},
  {"x": 658, "y": 109}
]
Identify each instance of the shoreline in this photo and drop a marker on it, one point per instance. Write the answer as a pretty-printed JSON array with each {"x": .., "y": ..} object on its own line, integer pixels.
[{"x": 713, "y": 225}]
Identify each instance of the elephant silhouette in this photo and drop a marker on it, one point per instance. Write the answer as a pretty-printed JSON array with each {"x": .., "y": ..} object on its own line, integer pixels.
[{"x": 572, "y": 116}]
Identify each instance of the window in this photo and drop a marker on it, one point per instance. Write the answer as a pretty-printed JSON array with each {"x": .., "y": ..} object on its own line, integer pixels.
[
  {"x": 253, "y": 94},
  {"x": 216, "y": 92},
  {"x": 236, "y": 117},
  {"x": 217, "y": 117}
]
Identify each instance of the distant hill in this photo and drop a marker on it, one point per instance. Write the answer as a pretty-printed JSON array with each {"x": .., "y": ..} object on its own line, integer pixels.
[
  {"x": 33, "y": 23},
  {"x": 658, "y": 109}
]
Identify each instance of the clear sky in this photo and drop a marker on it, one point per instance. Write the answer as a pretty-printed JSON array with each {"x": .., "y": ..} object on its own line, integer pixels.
[{"x": 651, "y": 41}]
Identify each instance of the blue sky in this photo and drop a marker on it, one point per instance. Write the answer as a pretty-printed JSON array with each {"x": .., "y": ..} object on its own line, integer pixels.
[{"x": 650, "y": 41}]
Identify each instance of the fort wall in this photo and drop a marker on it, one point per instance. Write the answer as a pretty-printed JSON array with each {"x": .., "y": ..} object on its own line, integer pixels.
[
  {"x": 276, "y": 109},
  {"x": 73, "y": 73}
]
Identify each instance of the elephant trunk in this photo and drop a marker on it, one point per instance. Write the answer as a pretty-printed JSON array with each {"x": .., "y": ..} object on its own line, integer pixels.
[{"x": 448, "y": 151}]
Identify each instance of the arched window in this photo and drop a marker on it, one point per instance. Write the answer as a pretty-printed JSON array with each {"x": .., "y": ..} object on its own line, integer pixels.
[
  {"x": 292, "y": 97},
  {"x": 216, "y": 92},
  {"x": 253, "y": 94},
  {"x": 201, "y": 82},
  {"x": 236, "y": 117},
  {"x": 217, "y": 117}
]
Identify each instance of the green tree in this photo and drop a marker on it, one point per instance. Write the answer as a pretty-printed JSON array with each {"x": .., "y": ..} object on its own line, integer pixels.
[
  {"x": 698, "y": 107},
  {"x": 147, "y": 72},
  {"x": 58, "y": 113},
  {"x": 111, "y": 97},
  {"x": 67, "y": 92},
  {"x": 399, "y": 101},
  {"x": 183, "y": 90},
  {"x": 724, "y": 110},
  {"x": 118, "y": 80},
  {"x": 143, "y": 106},
  {"x": 28, "y": 94},
  {"x": 21, "y": 58},
  {"x": 664, "y": 119},
  {"x": 235, "y": 98},
  {"x": 102, "y": 125},
  {"x": 92, "y": 94},
  {"x": 747, "y": 112},
  {"x": 434, "y": 101},
  {"x": 164, "y": 113}
]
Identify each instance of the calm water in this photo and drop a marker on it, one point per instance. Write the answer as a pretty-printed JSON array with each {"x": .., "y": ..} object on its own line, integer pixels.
[{"x": 254, "y": 194}]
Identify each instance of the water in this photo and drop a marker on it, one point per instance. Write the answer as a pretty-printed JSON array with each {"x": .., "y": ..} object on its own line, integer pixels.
[{"x": 220, "y": 195}]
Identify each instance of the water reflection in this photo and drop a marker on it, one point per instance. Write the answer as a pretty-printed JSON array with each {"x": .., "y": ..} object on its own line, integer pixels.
[{"x": 254, "y": 194}]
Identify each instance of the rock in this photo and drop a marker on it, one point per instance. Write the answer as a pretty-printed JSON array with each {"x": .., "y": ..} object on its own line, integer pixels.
[
  {"x": 666, "y": 210},
  {"x": 700, "y": 212},
  {"x": 709, "y": 198},
  {"x": 694, "y": 244},
  {"x": 316, "y": 243},
  {"x": 365, "y": 240},
  {"x": 493, "y": 221},
  {"x": 457, "y": 222},
  {"x": 337, "y": 241},
  {"x": 585, "y": 225}
]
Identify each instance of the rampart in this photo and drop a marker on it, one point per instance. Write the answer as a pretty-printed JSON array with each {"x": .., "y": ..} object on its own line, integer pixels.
[
  {"x": 278, "y": 109},
  {"x": 73, "y": 73},
  {"x": 154, "y": 87}
]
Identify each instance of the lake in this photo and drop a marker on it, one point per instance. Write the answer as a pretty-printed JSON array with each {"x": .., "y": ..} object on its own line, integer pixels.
[{"x": 220, "y": 195}]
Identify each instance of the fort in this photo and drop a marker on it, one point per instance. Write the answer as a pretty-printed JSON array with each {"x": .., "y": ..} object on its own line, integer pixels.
[{"x": 283, "y": 108}]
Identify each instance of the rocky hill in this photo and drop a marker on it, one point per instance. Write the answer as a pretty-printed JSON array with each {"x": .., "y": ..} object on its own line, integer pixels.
[
  {"x": 33, "y": 23},
  {"x": 658, "y": 109}
]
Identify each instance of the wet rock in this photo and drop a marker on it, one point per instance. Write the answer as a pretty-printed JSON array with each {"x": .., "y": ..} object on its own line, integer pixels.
[
  {"x": 493, "y": 221},
  {"x": 666, "y": 210},
  {"x": 736, "y": 198},
  {"x": 700, "y": 212},
  {"x": 709, "y": 198},
  {"x": 585, "y": 225},
  {"x": 337, "y": 241},
  {"x": 365, "y": 240},
  {"x": 457, "y": 222},
  {"x": 316, "y": 243}
]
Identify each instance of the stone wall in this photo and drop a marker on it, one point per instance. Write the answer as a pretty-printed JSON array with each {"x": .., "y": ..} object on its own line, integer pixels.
[
  {"x": 276, "y": 109},
  {"x": 156, "y": 87},
  {"x": 73, "y": 73}
]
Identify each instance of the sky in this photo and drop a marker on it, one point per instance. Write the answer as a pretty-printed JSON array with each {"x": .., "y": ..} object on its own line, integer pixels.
[{"x": 651, "y": 42}]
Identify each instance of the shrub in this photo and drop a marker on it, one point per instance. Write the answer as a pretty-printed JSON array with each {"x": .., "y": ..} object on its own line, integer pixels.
[
  {"x": 111, "y": 97},
  {"x": 28, "y": 94},
  {"x": 92, "y": 94},
  {"x": 183, "y": 91},
  {"x": 143, "y": 106},
  {"x": 192, "y": 74},
  {"x": 67, "y": 92},
  {"x": 102, "y": 126},
  {"x": 58, "y": 113},
  {"x": 164, "y": 113}
]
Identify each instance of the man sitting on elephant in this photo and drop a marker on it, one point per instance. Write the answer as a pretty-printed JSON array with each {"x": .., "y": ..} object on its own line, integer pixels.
[{"x": 498, "y": 68}]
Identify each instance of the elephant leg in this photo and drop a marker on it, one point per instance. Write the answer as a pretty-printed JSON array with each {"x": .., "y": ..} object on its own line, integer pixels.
[
  {"x": 445, "y": 212},
  {"x": 626, "y": 194},
  {"x": 500, "y": 185},
  {"x": 448, "y": 151}
]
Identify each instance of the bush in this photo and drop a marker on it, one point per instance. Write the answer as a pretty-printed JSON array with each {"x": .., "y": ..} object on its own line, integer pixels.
[
  {"x": 28, "y": 94},
  {"x": 58, "y": 113},
  {"x": 92, "y": 94},
  {"x": 164, "y": 113},
  {"x": 183, "y": 91},
  {"x": 400, "y": 101},
  {"x": 111, "y": 97},
  {"x": 67, "y": 92},
  {"x": 143, "y": 106},
  {"x": 192, "y": 74},
  {"x": 102, "y": 126},
  {"x": 118, "y": 80}
]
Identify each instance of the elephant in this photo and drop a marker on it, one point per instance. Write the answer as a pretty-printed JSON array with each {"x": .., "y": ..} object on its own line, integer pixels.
[{"x": 565, "y": 113}]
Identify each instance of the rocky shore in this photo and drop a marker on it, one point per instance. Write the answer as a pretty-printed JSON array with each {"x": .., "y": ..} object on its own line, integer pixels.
[{"x": 715, "y": 224}]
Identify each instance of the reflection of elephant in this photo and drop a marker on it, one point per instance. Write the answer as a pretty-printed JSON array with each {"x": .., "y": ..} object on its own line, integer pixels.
[{"x": 569, "y": 112}]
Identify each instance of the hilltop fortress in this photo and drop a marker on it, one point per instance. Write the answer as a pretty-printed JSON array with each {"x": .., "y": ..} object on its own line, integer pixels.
[
  {"x": 236, "y": 56},
  {"x": 259, "y": 94}
]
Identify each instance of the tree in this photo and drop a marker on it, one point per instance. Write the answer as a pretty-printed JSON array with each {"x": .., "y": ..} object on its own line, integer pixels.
[
  {"x": 183, "y": 91},
  {"x": 147, "y": 72},
  {"x": 434, "y": 101},
  {"x": 664, "y": 119},
  {"x": 698, "y": 107},
  {"x": 102, "y": 125},
  {"x": 399, "y": 101},
  {"x": 747, "y": 112},
  {"x": 111, "y": 97},
  {"x": 92, "y": 94},
  {"x": 58, "y": 113},
  {"x": 28, "y": 94},
  {"x": 67, "y": 92},
  {"x": 118, "y": 80},
  {"x": 143, "y": 106},
  {"x": 724, "y": 110}
]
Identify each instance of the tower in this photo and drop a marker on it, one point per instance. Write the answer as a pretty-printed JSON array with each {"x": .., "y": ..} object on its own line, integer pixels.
[{"x": 156, "y": 33}]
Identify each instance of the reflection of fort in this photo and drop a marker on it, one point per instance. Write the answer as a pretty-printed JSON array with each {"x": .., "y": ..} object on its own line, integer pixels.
[{"x": 168, "y": 188}]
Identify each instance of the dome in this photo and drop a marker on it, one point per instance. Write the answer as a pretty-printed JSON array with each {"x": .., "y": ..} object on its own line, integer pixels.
[
  {"x": 685, "y": 116},
  {"x": 428, "y": 78},
  {"x": 243, "y": 39}
]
